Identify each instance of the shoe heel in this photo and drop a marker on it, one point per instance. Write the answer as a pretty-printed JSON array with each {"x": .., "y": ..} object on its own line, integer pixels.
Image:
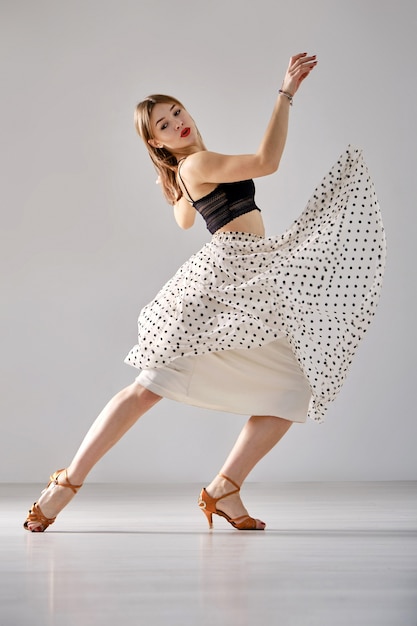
[
  {"x": 209, "y": 517},
  {"x": 203, "y": 506}
]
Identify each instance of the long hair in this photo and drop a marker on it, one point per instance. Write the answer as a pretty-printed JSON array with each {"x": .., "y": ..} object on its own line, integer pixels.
[{"x": 164, "y": 161}]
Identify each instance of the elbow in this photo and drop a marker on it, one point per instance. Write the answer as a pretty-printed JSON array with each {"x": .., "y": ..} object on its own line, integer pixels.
[
  {"x": 269, "y": 165},
  {"x": 273, "y": 163},
  {"x": 272, "y": 167},
  {"x": 184, "y": 222},
  {"x": 184, "y": 225}
]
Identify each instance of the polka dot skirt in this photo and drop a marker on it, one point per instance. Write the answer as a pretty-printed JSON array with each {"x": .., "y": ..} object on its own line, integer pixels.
[{"x": 318, "y": 284}]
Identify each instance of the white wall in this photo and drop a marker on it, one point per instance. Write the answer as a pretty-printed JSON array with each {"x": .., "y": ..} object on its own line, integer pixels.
[{"x": 87, "y": 238}]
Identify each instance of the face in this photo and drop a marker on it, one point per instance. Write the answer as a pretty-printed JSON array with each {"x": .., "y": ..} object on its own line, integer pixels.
[{"x": 174, "y": 129}]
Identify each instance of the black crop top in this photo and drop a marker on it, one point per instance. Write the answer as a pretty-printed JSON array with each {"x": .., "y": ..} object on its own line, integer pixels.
[{"x": 226, "y": 202}]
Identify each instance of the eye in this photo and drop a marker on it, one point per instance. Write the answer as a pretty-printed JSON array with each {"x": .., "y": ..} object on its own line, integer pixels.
[
  {"x": 164, "y": 125},
  {"x": 177, "y": 112}
]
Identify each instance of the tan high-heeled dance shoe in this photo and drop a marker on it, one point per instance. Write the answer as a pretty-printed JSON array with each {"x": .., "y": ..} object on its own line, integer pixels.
[
  {"x": 208, "y": 505},
  {"x": 35, "y": 514}
]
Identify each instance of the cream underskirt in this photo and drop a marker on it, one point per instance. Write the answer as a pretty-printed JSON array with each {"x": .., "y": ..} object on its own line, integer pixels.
[{"x": 259, "y": 381}]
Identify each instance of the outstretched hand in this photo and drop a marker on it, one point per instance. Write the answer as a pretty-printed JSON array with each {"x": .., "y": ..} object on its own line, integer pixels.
[{"x": 299, "y": 68}]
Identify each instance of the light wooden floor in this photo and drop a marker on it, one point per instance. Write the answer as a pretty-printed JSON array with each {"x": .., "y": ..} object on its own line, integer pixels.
[{"x": 334, "y": 554}]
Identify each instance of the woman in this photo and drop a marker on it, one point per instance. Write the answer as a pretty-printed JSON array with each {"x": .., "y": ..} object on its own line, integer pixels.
[{"x": 248, "y": 325}]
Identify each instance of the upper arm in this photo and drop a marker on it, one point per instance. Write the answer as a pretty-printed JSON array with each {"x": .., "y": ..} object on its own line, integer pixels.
[
  {"x": 184, "y": 213},
  {"x": 212, "y": 167}
]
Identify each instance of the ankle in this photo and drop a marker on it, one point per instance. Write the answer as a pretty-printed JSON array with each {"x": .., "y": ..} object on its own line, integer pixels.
[
  {"x": 73, "y": 475},
  {"x": 221, "y": 485}
]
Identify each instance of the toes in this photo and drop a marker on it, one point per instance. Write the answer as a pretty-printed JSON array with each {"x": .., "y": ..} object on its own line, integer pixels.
[{"x": 34, "y": 528}]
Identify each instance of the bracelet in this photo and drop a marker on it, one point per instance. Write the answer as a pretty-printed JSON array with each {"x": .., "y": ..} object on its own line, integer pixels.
[{"x": 286, "y": 94}]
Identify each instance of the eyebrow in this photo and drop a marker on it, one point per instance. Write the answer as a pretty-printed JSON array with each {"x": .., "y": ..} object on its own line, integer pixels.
[{"x": 173, "y": 106}]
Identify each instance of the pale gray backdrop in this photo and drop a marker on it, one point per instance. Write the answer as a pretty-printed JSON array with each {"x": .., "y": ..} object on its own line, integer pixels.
[{"x": 87, "y": 238}]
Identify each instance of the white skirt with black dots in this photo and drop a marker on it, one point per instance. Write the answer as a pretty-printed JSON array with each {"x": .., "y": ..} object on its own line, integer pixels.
[{"x": 269, "y": 326}]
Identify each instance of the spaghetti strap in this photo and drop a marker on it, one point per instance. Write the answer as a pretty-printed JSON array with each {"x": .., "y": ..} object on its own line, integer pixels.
[{"x": 190, "y": 200}]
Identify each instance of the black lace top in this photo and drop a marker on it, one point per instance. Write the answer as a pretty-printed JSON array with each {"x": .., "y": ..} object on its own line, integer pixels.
[{"x": 226, "y": 202}]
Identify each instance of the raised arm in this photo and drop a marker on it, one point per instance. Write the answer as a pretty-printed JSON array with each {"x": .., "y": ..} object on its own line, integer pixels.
[{"x": 210, "y": 167}]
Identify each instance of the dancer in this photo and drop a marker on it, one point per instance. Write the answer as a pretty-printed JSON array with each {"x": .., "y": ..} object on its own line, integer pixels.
[{"x": 261, "y": 326}]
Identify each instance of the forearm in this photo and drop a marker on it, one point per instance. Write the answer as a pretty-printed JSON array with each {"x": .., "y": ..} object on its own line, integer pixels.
[{"x": 273, "y": 142}]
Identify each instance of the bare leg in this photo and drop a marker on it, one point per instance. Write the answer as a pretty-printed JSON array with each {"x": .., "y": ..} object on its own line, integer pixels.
[
  {"x": 123, "y": 410},
  {"x": 259, "y": 435}
]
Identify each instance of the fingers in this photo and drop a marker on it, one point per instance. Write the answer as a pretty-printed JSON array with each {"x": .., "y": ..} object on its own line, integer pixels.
[
  {"x": 302, "y": 65},
  {"x": 299, "y": 68},
  {"x": 295, "y": 57},
  {"x": 302, "y": 60}
]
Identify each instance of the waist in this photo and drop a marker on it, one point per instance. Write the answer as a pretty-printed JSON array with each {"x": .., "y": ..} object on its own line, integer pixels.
[{"x": 250, "y": 222}]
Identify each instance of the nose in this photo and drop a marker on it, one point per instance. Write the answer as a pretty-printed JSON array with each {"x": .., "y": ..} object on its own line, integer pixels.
[{"x": 178, "y": 124}]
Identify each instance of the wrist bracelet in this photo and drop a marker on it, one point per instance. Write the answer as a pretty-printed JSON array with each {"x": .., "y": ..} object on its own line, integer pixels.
[{"x": 286, "y": 94}]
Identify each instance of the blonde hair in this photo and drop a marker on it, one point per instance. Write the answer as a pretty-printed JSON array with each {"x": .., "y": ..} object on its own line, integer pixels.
[{"x": 164, "y": 161}]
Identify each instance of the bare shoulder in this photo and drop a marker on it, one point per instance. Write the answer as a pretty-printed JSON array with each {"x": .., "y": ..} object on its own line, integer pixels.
[
  {"x": 193, "y": 163},
  {"x": 193, "y": 175}
]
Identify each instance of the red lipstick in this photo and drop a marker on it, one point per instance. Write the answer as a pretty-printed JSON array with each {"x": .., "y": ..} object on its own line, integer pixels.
[{"x": 185, "y": 132}]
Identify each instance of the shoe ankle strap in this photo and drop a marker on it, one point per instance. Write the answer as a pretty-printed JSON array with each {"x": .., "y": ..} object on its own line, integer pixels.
[
  {"x": 55, "y": 477},
  {"x": 230, "y": 481}
]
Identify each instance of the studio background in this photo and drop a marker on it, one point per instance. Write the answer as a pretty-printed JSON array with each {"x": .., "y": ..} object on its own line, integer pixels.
[{"x": 87, "y": 238}]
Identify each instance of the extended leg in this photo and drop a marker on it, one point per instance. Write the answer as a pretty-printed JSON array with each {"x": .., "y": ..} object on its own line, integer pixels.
[
  {"x": 117, "y": 417},
  {"x": 123, "y": 410}
]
